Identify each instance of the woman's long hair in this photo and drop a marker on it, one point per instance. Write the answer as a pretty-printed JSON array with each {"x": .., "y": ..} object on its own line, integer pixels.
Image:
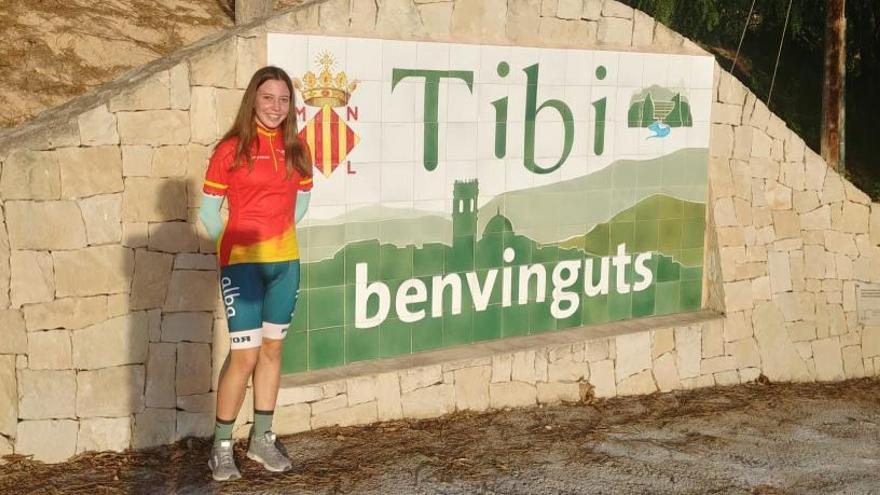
[{"x": 296, "y": 154}]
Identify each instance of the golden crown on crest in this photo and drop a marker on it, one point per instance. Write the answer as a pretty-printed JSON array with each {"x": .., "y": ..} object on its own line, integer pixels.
[{"x": 325, "y": 89}]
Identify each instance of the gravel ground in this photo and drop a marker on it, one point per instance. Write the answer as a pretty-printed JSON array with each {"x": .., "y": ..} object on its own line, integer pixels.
[{"x": 755, "y": 438}]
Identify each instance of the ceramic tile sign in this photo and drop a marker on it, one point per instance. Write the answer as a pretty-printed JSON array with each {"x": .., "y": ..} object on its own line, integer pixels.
[{"x": 465, "y": 193}]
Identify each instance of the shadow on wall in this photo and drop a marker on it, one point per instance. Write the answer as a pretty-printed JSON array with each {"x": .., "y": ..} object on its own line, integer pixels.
[{"x": 174, "y": 294}]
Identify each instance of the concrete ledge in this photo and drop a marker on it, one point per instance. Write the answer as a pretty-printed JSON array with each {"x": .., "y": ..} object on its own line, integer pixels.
[{"x": 494, "y": 347}]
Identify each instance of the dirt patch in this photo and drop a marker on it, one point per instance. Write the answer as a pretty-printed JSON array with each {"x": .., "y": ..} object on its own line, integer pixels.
[
  {"x": 54, "y": 50},
  {"x": 746, "y": 439}
]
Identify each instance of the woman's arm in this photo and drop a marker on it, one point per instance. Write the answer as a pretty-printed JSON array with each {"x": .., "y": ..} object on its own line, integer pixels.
[
  {"x": 209, "y": 214},
  {"x": 302, "y": 205}
]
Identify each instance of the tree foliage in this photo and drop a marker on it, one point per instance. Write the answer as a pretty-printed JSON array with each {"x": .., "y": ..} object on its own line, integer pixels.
[{"x": 797, "y": 95}]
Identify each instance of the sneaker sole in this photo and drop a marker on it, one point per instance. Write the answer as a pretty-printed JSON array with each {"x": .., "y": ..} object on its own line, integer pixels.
[
  {"x": 254, "y": 457},
  {"x": 228, "y": 478}
]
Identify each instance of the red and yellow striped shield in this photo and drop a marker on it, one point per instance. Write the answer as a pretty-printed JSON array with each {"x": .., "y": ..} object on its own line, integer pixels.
[{"x": 330, "y": 140}]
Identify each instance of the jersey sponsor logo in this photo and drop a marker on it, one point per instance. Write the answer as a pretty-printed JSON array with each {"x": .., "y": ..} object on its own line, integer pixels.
[{"x": 229, "y": 295}]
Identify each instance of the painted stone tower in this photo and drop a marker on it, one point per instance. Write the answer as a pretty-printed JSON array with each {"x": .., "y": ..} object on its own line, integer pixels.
[{"x": 464, "y": 226}]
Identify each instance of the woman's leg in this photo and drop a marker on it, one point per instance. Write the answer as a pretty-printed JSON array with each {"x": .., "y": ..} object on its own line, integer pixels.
[
  {"x": 234, "y": 375},
  {"x": 267, "y": 375}
]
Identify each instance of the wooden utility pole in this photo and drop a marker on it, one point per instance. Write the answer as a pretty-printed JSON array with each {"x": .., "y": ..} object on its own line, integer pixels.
[
  {"x": 250, "y": 10},
  {"x": 833, "y": 91}
]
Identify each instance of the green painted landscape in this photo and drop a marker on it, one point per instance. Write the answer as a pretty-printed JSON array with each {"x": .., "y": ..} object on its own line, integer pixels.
[{"x": 325, "y": 331}]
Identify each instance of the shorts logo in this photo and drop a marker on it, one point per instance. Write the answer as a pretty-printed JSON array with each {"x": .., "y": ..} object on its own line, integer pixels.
[
  {"x": 229, "y": 295},
  {"x": 241, "y": 340}
]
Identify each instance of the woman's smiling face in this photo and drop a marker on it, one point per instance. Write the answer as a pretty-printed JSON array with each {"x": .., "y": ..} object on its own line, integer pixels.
[{"x": 272, "y": 104}]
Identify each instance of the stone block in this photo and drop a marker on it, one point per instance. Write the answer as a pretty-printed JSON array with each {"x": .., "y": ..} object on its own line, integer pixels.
[
  {"x": 108, "y": 392},
  {"x": 633, "y": 354},
  {"x": 613, "y": 8},
  {"x": 137, "y": 161},
  {"x": 33, "y": 277},
  {"x": 160, "y": 381},
  {"x": 93, "y": 270},
  {"x": 118, "y": 341},
  {"x": 780, "y": 272},
  {"x": 6, "y": 448},
  {"x": 188, "y": 327},
  {"x": 416, "y": 378},
  {"x": 688, "y": 346},
  {"x": 204, "y": 403},
  {"x": 388, "y": 403},
  {"x": 738, "y": 296},
  {"x": 193, "y": 368},
  {"x": 298, "y": 395},
  {"x": 90, "y": 171},
  {"x": 428, "y": 402},
  {"x": 828, "y": 359},
  {"x": 567, "y": 370},
  {"x": 662, "y": 341},
  {"x": 179, "y": 87},
  {"x": 359, "y": 414},
  {"x": 97, "y": 127},
  {"x": 615, "y": 31},
  {"x": 717, "y": 364},
  {"x": 203, "y": 116},
  {"x": 193, "y": 261},
  {"x": 523, "y": 367},
  {"x": 361, "y": 389},
  {"x": 639, "y": 384},
  {"x": 46, "y": 394},
  {"x": 154, "y": 127},
  {"x": 153, "y": 427},
  {"x": 31, "y": 175},
  {"x": 191, "y": 290},
  {"x": 8, "y": 395},
  {"x": 70, "y": 313},
  {"x": 602, "y": 378},
  {"x": 153, "y": 200},
  {"x": 45, "y": 225},
  {"x": 49, "y": 350},
  {"x": 512, "y": 394},
  {"x": 103, "y": 218},
  {"x": 554, "y": 393},
  {"x": 152, "y": 276},
  {"x": 13, "y": 336},
  {"x": 49, "y": 441},
  {"x": 643, "y": 30},
  {"x": 472, "y": 388},
  {"x": 103, "y": 434},
  {"x": 745, "y": 352},
  {"x": 781, "y": 362},
  {"x": 597, "y": 350},
  {"x": 211, "y": 66},
  {"x": 150, "y": 93},
  {"x": 169, "y": 161},
  {"x": 853, "y": 366},
  {"x": 194, "y": 424},
  {"x": 293, "y": 418},
  {"x": 501, "y": 367},
  {"x": 855, "y": 218},
  {"x": 666, "y": 373},
  {"x": 330, "y": 404},
  {"x": 523, "y": 20},
  {"x": 173, "y": 237},
  {"x": 871, "y": 341}
]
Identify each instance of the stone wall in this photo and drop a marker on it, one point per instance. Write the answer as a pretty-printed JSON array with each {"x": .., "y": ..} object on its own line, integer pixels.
[{"x": 110, "y": 331}]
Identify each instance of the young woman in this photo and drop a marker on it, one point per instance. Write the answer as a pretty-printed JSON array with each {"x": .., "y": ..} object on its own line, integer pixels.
[{"x": 264, "y": 172}]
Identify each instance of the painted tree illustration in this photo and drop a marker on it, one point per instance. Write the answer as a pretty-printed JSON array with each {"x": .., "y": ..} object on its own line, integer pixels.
[{"x": 680, "y": 116}]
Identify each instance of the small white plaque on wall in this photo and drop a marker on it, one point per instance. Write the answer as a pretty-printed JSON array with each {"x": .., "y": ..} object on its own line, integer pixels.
[{"x": 868, "y": 303}]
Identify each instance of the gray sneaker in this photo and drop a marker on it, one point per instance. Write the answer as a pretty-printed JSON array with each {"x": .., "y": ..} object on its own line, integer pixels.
[
  {"x": 222, "y": 463},
  {"x": 266, "y": 450}
]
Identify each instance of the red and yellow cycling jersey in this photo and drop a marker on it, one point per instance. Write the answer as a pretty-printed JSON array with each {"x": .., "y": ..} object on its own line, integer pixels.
[{"x": 261, "y": 201}]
